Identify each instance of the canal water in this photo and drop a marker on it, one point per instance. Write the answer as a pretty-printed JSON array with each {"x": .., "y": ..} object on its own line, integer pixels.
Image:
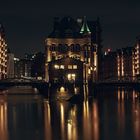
[{"x": 111, "y": 114}]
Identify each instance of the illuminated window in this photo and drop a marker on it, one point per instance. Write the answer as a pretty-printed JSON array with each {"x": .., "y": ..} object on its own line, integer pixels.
[
  {"x": 89, "y": 71},
  {"x": 69, "y": 66},
  {"x": 62, "y": 67},
  {"x": 71, "y": 76},
  {"x": 56, "y": 66},
  {"x": 74, "y": 66}
]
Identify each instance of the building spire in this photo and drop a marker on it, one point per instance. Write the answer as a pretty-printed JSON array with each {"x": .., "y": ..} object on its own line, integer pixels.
[{"x": 85, "y": 29}]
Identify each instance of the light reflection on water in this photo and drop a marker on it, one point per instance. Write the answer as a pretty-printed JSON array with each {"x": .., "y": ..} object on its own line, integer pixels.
[{"x": 112, "y": 115}]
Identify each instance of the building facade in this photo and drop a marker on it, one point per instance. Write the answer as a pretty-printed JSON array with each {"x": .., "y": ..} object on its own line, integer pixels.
[
  {"x": 109, "y": 66},
  {"x": 70, "y": 50},
  {"x": 3, "y": 54},
  {"x": 22, "y": 67},
  {"x": 136, "y": 58},
  {"x": 17, "y": 68},
  {"x": 10, "y": 65},
  {"x": 38, "y": 66},
  {"x": 31, "y": 66},
  {"x": 123, "y": 64},
  {"x": 96, "y": 38}
]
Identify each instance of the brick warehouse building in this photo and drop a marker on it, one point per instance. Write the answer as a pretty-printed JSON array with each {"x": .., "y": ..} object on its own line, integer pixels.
[
  {"x": 123, "y": 64},
  {"x": 70, "y": 50},
  {"x": 3, "y": 54}
]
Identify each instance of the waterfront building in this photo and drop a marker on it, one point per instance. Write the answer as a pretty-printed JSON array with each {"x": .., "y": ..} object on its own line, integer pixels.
[
  {"x": 32, "y": 65},
  {"x": 96, "y": 38},
  {"x": 109, "y": 66},
  {"x": 16, "y": 67},
  {"x": 25, "y": 68},
  {"x": 38, "y": 66},
  {"x": 70, "y": 52},
  {"x": 136, "y": 58},
  {"x": 10, "y": 65},
  {"x": 125, "y": 63},
  {"x": 121, "y": 64},
  {"x": 22, "y": 67},
  {"x": 3, "y": 54}
]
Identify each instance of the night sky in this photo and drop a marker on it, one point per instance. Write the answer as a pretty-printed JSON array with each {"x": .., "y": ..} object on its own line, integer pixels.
[{"x": 27, "y": 23}]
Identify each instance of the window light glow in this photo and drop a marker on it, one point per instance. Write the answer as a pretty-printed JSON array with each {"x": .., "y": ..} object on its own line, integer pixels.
[
  {"x": 74, "y": 66},
  {"x": 62, "y": 89},
  {"x": 71, "y": 76},
  {"x": 69, "y": 66},
  {"x": 62, "y": 67},
  {"x": 56, "y": 66}
]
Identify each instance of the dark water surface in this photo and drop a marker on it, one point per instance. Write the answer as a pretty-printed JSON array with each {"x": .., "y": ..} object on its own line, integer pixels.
[{"x": 112, "y": 115}]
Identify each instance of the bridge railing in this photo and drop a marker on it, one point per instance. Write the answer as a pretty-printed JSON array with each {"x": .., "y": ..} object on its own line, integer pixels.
[{"x": 130, "y": 79}]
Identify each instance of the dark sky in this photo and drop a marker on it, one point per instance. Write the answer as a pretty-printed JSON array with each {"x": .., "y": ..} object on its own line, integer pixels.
[{"x": 27, "y": 23}]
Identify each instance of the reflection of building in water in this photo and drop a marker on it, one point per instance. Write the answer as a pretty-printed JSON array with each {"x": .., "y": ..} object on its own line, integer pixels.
[
  {"x": 124, "y": 110},
  {"x": 121, "y": 110},
  {"x": 71, "y": 53},
  {"x": 121, "y": 93},
  {"x": 125, "y": 94},
  {"x": 86, "y": 121},
  {"x": 96, "y": 121},
  {"x": 47, "y": 120},
  {"x": 62, "y": 120},
  {"x": 72, "y": 129},
  {"x": 59, "y": 113},
  {"x": 3, "y": 119},
  {"x": 135, "y": 111},
  {"x": 25, "y": 117},
  {"x": 90, "y": 121}
]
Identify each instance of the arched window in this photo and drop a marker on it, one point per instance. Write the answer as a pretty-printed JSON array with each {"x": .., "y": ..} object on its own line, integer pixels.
[
  {"x": 77, "y": 48},
  {"x": 62, "y": 48},
  {"x": 75, "y": 56},
  {"x": 53, "y": 47},
  {"x": 72, "y": 47},
  {"x": 59, "y": 47}
]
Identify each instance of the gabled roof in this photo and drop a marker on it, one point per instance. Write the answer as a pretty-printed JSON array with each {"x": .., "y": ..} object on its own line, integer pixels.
[{"x": 67, "y": 27}]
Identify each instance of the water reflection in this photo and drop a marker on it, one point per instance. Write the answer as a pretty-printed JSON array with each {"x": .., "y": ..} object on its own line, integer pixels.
[
  {"x": 47, "y": 121},
  {"x": 112, "y": 117},
  {"x": 20, "y": 118},
  {"x": 136, "y": 115},
  {"x": 113, "y": 114},
  {"x": 3, "y": 118},
  {"x": 72, "y": 124}
]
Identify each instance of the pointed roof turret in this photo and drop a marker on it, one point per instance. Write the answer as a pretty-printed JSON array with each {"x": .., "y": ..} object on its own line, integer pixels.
[{"x": 85, "y": 29}]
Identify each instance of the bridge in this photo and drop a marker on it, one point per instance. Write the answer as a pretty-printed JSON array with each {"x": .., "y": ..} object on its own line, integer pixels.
[
  {"x": 126, "y": 81},
  {"x": 41, "y": 85},
  {"x": 50, "y": 90}
]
